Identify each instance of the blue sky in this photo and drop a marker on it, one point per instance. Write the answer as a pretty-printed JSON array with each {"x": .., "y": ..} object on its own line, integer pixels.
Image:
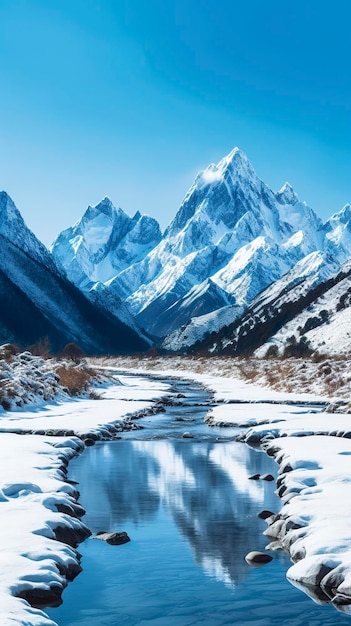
[{"x": 130, "y": 98}]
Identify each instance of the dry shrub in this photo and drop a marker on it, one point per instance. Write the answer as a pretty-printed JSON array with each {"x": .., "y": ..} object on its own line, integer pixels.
[
  {"x": 4, "y": 398},
  {"x": 272, "y": 378},
  {"x": 75, "y": 380},
  {"x": 41, "y": 348},
  {"x": 249, "y": 373},
  {"x": 332, "y": 385},
  {"x": 94, "y": 395},
  {"x": 73, "y": 351}
]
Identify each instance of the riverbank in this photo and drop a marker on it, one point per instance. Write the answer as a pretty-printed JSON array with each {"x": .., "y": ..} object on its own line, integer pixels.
[
  {"x": 273, "y": 419},
  {"x": 40, "y": 519}
]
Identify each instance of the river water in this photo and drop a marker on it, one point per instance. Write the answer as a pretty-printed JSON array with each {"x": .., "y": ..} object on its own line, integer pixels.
[{"x": 190, "y": 510}]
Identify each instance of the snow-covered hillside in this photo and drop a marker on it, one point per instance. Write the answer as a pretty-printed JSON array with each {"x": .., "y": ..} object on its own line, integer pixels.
[
  {"x": 231, "y": 238},
  {"x": 199, "y": 327},
  {"x": 299, "y": 314},
  {"x": 325, "y": 325}
]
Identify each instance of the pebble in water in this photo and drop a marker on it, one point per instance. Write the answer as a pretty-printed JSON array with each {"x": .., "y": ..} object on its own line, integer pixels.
[
  {"x": 267, "y": 477},
  {"x": 257, "y": 558}
]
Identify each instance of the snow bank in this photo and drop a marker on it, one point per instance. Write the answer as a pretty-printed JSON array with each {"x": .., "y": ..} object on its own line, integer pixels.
[
  {"x": 313, "y": 525},
  {"x": 324, "y": 376},
  {"x": 84, "y": 417},
  {"x": 35, "y": 501}
]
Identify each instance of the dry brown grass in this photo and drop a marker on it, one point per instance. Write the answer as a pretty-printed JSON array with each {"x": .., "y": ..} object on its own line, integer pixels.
[
  {"x": 75, "y": 380},
  {"x": 248, "y": 373},
  {"x": 328, "y": 375}
]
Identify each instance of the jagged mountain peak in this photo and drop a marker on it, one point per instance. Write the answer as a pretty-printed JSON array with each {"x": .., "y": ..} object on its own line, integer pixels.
[
  {"x": 343, "y": 216},
  {"x": 104, "y": 207},
  {"x": 236, "y": 164},
  {"x": 104, "y": 242},
  {"x": 105, "y": 204},
  {"x": 338, "y": 232},
  {"x": 287, "y": 195},
  {"x": 14, "y": 229},
  {"x": 236, "y": 159},
  {"x": 6, "y": 201},
  {"x": 8, "y": 210},
  {"x": 137, "y": 216},
  {"x": 218, "y": 193},
  {"x": 145, "y": 228}
]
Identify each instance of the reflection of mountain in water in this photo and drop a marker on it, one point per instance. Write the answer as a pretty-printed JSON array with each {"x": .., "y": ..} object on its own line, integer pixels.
[
  {"x": 215, "y": 505},
  {"x": 118, "y": 486},
  {"x": 204, "y": 486}
]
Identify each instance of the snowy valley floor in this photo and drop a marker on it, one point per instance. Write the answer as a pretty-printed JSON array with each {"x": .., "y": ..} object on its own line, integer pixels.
[{"x": 38, "y": 504}]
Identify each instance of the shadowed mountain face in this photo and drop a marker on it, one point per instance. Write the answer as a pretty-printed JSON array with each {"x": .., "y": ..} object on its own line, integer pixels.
[
  {"x": 37, "y": 300},
  {"x": 231, "y": 238}
]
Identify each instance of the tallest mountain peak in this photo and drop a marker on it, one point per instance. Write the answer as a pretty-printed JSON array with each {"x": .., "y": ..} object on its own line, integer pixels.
[
  {"x": 236, "y": 163},
  {"x": 236, "y": 160},
  {"x": 236, "y": 155}
]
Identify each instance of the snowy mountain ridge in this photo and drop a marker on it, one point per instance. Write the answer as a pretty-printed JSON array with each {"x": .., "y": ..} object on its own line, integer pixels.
[
  {"x": 231, "y": 238},
  {"x": 303, "y": 312}
]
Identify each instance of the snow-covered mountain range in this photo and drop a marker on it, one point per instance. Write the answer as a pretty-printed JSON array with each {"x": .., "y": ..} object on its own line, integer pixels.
[
  {"x": 37, "y": 301},
  {"x": 231, "y": 238},
  {"x": 238, "y": 262}
]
